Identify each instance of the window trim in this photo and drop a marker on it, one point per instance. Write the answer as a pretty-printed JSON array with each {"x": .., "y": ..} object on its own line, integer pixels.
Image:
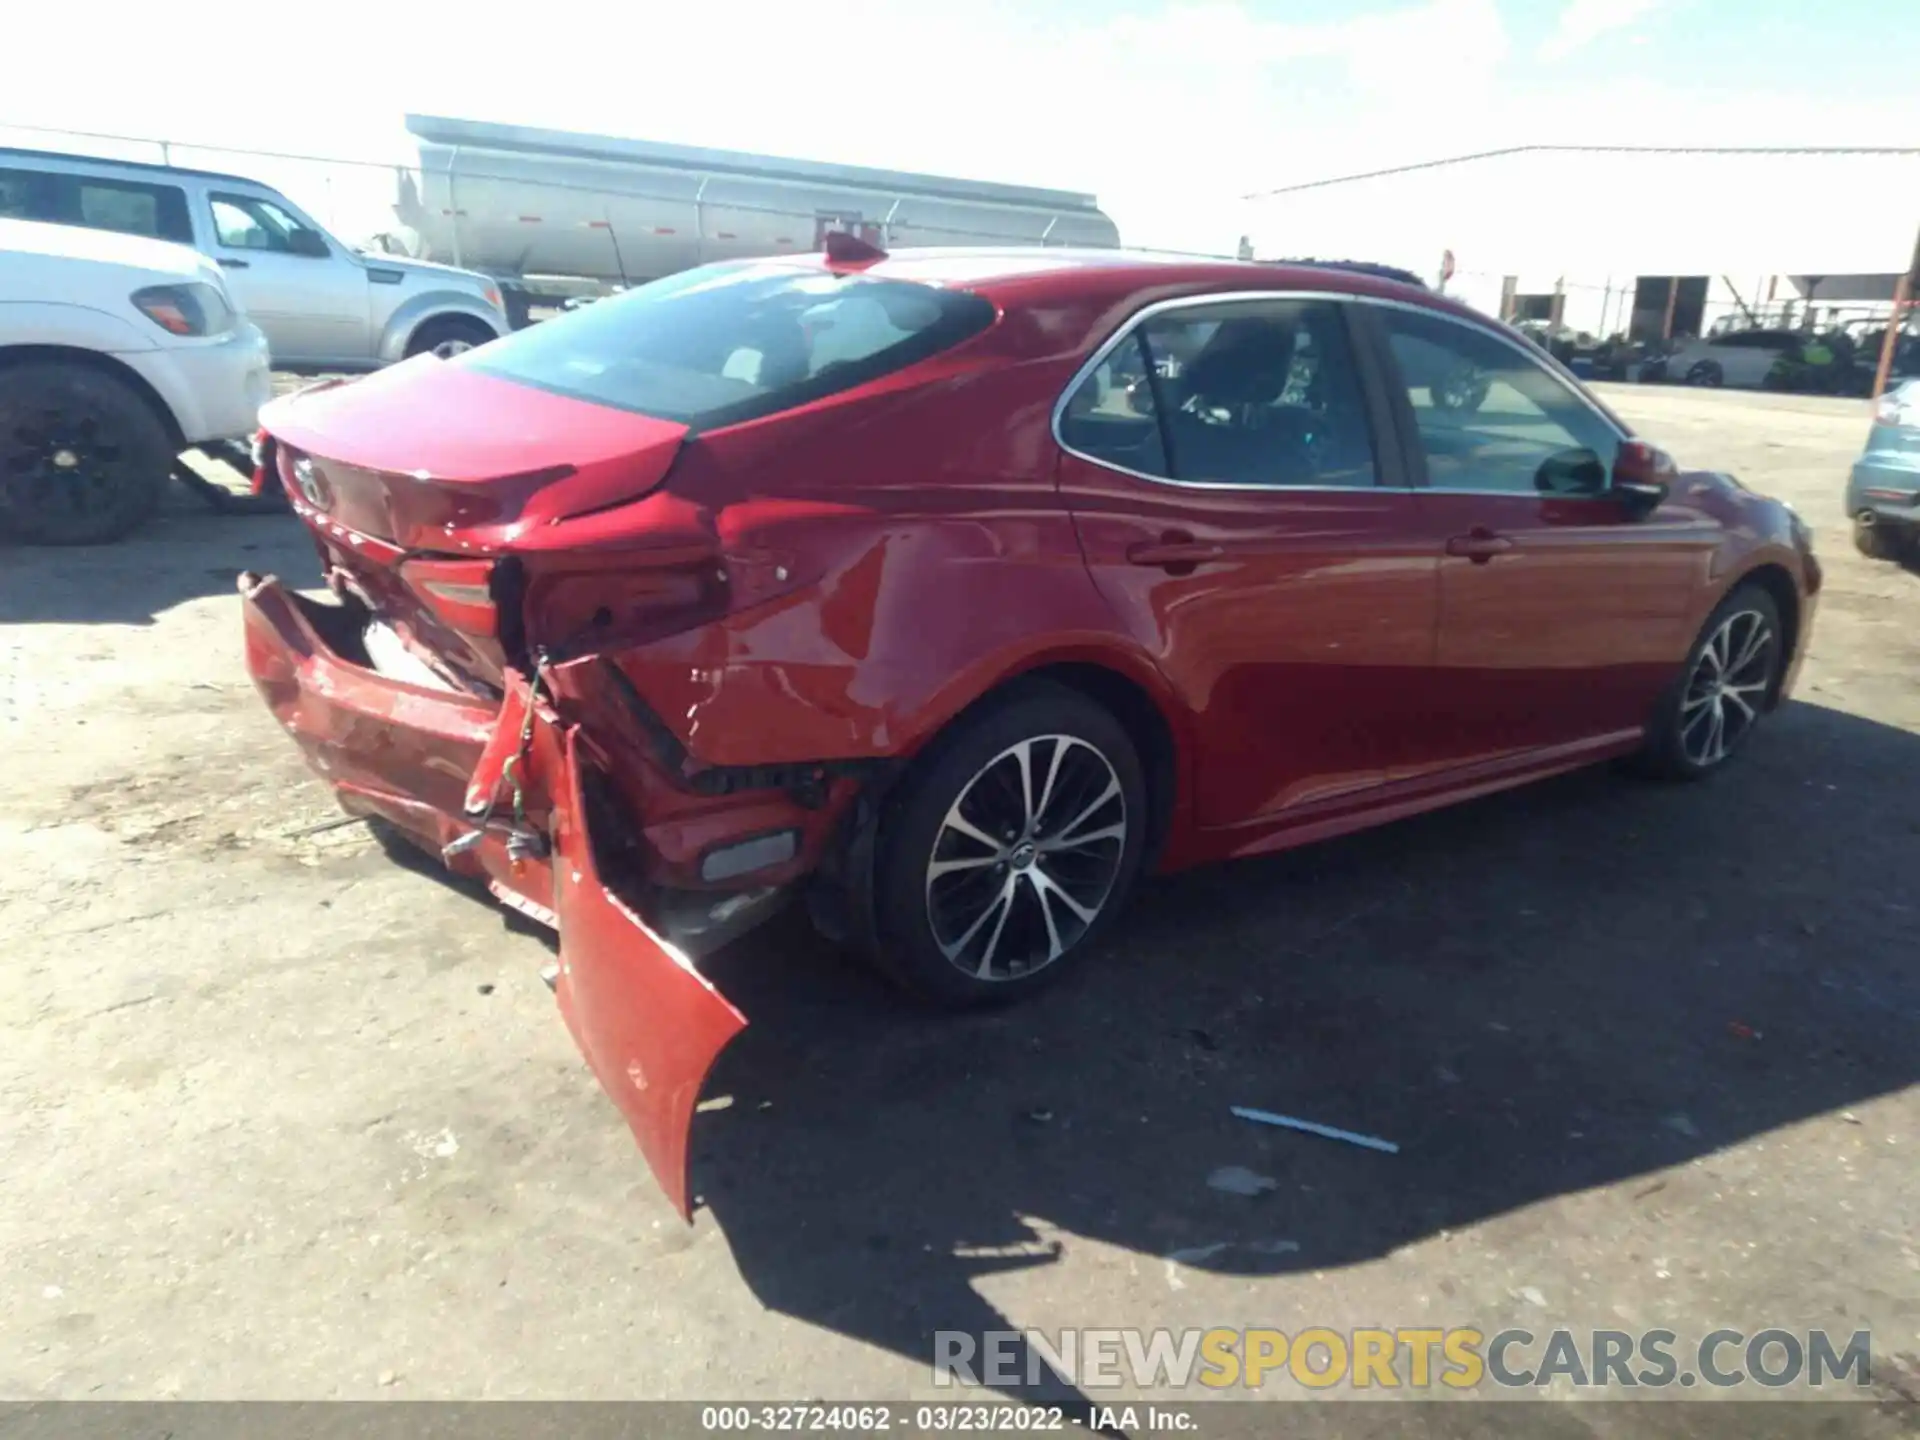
[{"x": 1376, "y": 367}]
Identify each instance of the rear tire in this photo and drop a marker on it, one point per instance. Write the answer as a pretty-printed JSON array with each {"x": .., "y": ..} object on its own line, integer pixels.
[
  {"x": 1881, "y": 541},
  {"x": 83, "y": 457},
  {"x": 983, "y": 893},
  {"x": 1727, "y": 685},
  {"x": 447, "y": 336}
]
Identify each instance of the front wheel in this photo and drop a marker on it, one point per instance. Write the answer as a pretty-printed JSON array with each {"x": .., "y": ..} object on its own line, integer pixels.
[
  {"x": 448, "y": 336},
  {"x": 1010, "y": 850},
  {"x": 1706, "y": 373},
  {"x": 1727, "y": 684}
]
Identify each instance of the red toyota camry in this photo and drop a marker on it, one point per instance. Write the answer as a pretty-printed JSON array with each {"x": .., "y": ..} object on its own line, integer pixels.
[{"x": 953, "y": 589}]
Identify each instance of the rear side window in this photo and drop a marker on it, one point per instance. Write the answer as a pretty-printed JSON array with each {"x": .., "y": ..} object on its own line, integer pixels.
[
  {"x": 129, "y": 207},
  {"x": 25, "y": 195},
  {"x": 1252, "y": 394},
  {"x": 723, "y": 344}
]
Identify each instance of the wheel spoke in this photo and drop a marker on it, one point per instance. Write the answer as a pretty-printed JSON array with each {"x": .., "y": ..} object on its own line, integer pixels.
[
  {"x": 1758, "y": 639},
  {"x": 1061, "y": 845},
  {"x": 1748, "y": 712},
  {"x": 1023, "y": 756},
  {"x": 940, "y": 868},
  {"x": 1005, "y": 906},
  {"x": 1066, "y": 835},
  {"x": 1000, "y": 903},
  {"x": 1060, "y": 746},
  {"x": 957, "y": 821},
  {"x": 1045, "y": 885}
]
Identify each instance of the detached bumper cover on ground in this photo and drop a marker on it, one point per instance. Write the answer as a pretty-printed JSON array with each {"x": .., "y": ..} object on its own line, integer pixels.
[{"x": 648, "y": 1023}]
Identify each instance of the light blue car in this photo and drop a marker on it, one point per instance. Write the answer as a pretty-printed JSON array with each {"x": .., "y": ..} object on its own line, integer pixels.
[{"x": 1883, "y": 495}]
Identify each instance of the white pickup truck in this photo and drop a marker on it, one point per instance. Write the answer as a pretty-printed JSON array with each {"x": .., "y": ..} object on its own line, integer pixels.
[{"x": 323, "y": 305}]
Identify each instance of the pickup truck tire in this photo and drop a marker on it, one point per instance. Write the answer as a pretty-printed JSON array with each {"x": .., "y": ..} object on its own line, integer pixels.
[
  {"x": 83, "y": 457},
  {"x": 447, "y": 336}
]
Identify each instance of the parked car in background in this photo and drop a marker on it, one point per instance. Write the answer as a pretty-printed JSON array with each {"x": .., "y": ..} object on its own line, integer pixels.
[
  {"x": 322, "y": 305},
  {"x": 116, "y": 353},
  {"x": 1883, "y": 493},
  {"x": 1740, "y": 357},
  {"x": 872, "y": 579}
]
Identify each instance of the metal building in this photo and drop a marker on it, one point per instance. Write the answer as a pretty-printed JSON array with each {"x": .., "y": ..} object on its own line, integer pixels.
[{"x": 1625, "y": 240}]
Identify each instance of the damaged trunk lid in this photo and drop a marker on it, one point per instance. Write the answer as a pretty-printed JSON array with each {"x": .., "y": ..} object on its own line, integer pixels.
[{"x": 419, "y": 480}]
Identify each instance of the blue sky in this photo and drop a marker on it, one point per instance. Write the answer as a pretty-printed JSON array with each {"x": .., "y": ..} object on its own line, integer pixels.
[{"x": 1166, "y": 108}]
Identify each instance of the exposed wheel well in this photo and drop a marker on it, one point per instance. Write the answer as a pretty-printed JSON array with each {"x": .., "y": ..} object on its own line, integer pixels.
[
  {"x": 1779, "y": 586},
  {"x": 14, "y": 355}
]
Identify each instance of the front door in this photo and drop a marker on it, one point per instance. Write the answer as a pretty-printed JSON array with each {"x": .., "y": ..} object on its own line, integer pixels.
[
  {"x": 313, "y": 306},
  {"x": 1562, "y": 615},
  {"x": 1222, "y": 473}
]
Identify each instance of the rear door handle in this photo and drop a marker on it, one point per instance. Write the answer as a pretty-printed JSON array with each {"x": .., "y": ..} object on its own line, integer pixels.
[
  {"x": 1174, "y": 549},
  {"x": 230, "y": 264},
  {"x": 1480, "y": 546}
]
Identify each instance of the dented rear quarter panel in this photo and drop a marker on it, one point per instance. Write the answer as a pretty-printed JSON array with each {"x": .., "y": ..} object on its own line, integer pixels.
[{"x": 891, "y": 559}]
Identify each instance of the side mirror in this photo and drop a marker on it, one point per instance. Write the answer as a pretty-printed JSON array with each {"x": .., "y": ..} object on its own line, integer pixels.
[
  {"x": 1642, "y": 476},
  {"x": 310, "y": 243}
]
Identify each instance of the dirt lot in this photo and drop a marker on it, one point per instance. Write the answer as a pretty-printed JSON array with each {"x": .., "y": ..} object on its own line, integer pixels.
[{"x": 281, "y": 1118}]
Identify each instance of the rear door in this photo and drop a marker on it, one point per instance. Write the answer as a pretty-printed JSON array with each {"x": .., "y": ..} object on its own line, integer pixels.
[
  {"x": 1561, "y": 615},
  {"x": 308, "y": 295},
  {"x": 1230, "y": 472}
]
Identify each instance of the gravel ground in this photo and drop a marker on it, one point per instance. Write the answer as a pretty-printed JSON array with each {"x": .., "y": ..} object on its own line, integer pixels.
[{"x": 282, "y": 1118}]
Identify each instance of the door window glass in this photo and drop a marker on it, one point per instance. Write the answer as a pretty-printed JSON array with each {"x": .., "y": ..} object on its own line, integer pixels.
[
  {"x": 24, "y": 196},
  {"x": 1492, "y": 418},
  {"x": 1260, "y": 393},
  {"x": 246, "y": 222}
]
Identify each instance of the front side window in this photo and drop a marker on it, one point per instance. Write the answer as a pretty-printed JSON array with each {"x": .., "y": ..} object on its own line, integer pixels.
[
  {"x": 1258, "y": 393},
  {"x": 727, "y": 343},
  {"x": 247, "y": 222},
  {"x": 1490, "y": 417}
]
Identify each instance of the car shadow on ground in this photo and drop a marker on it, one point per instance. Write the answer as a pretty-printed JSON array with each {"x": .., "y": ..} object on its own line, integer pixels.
[
  {"x": 1557, "y": 988},
  {"x": 188, "y": 551}
]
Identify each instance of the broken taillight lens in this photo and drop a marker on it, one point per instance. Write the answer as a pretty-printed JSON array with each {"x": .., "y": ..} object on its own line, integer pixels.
[{"x": 460, "y": 592}]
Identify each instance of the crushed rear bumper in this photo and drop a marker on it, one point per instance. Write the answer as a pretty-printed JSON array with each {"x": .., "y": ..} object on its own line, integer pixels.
[{"x": 649, "y": 1024}]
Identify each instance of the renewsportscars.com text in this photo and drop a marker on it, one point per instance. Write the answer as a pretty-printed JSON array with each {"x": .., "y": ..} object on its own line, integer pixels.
[{"x": 1460, "y": 1358}]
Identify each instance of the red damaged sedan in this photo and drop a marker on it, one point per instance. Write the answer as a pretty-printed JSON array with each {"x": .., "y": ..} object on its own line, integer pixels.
[{"x": 952, "y": 590}]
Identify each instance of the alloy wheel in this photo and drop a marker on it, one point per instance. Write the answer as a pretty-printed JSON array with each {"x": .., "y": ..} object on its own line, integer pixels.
[
  {"x": 1025, "y": 857},
  {"x": 447, "y": 349},
  {"x": 1727, "y": 688},
  {"x": 61, "y": 461}
]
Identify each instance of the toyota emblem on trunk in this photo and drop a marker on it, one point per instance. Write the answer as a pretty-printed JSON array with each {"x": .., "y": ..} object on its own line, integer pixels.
[{"x": 308, "y": 479}]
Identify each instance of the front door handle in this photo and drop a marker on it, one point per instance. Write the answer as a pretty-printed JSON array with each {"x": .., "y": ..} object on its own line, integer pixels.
[
  {"x": 1479, "y": 545},
  {"x": 228, "y": 263},
  {"x": 1175, "y": 550}
]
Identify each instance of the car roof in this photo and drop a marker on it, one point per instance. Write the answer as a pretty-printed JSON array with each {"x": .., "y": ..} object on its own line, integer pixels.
[
  {"x": 62, "y": 157},
  {"x": 84, "y": 245},
  {"x": 1026, "y": 275}
]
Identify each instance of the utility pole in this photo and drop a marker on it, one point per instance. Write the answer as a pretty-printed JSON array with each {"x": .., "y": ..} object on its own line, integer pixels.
[
  {"x": 1673, "y": 301},
  {"x": 1902, "y": 300}
]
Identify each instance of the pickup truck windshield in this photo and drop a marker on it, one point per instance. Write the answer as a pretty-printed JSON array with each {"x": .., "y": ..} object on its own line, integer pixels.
[{"x": 722, "y": 344}]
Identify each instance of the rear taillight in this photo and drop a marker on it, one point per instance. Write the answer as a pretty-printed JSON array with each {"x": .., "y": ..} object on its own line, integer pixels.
[
  {"x": 460, "y": 592},
  {"x": 262, "y": 462}
]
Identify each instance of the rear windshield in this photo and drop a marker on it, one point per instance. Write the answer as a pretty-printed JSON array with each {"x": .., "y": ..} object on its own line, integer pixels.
[{"x": 723, "y": 344}]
